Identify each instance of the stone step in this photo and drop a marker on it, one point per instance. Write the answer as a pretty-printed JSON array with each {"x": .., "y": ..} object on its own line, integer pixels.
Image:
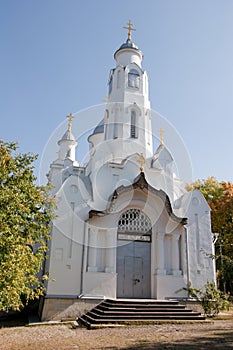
[
  {"x": 142, "y": 307},
  {"x": 124, "y": 315},
  {"x": 90, "y": 322},
  {"x": 116, "y": 312},
  {"x": 105, "y": 319},
  {"x": 138, "y": 313},
  {"x": 140, "y": 302}
]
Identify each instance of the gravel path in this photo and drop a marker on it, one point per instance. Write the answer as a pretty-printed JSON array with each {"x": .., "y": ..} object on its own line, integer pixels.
[{"x": 211, "y": 335}]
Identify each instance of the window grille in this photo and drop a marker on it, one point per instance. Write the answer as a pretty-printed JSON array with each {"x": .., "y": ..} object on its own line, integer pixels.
[{"x": 134, "y": 220}]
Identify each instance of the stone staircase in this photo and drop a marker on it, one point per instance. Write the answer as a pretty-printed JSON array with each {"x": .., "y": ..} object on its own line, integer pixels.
[{"x": 120, "y": 312}]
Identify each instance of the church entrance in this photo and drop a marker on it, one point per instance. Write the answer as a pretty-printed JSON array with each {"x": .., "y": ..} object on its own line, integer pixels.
[{"x": 134, "y": 255}]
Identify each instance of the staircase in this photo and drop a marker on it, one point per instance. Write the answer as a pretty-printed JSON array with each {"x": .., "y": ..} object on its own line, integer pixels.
[{"x": 118, "y": 312}]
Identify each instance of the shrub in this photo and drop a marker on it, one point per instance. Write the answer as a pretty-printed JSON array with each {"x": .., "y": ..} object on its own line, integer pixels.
[{"x": 212, "y": 300}]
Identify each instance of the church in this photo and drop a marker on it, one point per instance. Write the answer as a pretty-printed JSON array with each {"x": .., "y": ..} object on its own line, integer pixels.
[{"x": 125, "y": 226}]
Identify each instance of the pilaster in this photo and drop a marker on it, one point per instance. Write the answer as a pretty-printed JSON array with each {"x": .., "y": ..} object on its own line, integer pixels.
[
  {"x": 92, "y": 253},
  {"x": 175, "y": 254},
  {"x": 159, "y": 249},
  {"x": 110, "y": 252}
]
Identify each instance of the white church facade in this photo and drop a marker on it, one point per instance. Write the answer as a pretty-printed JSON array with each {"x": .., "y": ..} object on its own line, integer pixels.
[{"x": 125, "y": 227}]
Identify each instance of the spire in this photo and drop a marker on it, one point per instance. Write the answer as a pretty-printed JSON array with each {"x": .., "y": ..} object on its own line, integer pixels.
[{"x": 129, "y": 28}]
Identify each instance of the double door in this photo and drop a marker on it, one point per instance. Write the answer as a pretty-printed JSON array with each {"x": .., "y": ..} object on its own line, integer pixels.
[{"x": 133, "y": 269}]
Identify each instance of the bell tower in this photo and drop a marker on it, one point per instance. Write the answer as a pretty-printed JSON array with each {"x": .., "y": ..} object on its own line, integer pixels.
[{"x": 127, "y": 121}]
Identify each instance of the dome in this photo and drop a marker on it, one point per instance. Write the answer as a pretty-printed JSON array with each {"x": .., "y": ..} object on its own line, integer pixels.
[
  {"x": 68, "y": 136},
  {"x": 99, "y": 129},
  {"x": 128, "y": 45}
]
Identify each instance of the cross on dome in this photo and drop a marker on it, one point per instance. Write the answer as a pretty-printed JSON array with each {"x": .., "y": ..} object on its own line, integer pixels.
[
  {"x": 141, "y": 160},
  {"x": 129, "y": 28},
  {"x": 161, "y": 131},
  {"x": 69, "y": 117}
]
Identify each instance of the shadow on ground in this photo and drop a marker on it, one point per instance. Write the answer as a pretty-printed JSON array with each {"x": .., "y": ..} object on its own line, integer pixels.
[
  {"x": 13, "y": 321},
  {"x": 221, "y": 340}
]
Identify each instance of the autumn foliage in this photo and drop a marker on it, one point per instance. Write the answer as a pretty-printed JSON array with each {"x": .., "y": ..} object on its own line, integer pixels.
[
  {"x": 25, "y": 215},
  {"x": 219, "y": 196}
]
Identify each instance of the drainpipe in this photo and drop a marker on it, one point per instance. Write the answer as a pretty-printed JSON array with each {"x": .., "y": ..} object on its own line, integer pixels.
[{"x": 187, "y": 257}]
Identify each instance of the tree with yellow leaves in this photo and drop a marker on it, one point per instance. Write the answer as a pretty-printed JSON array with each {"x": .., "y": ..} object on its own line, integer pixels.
[
  {"x": 25, "y": 216},
  {"x": 219, "y": 196}
]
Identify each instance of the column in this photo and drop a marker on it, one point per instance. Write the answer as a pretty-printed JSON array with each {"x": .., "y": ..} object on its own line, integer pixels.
[
  {"x": 160, "y": 253},
  {"x": 92, "y": 251},
  {"x": 175, "y": 254}
]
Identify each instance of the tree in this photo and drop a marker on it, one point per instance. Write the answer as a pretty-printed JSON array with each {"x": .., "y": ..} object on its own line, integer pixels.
[
  {"x": 211, "y": 189},
  {"x": 25, "y": 216},
  {"x": 219, "y": 196}
]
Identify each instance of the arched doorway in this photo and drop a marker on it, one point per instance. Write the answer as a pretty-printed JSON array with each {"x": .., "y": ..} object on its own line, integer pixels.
[{"x": 134, "y": 255}]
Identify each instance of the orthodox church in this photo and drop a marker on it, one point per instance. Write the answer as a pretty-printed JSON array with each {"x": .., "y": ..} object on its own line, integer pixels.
[{"x": 125, "y": 227}]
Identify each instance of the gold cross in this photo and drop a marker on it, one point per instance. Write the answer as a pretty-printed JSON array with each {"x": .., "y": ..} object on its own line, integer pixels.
[
  {"x": 141, "y": 160},
  {"x": 129, "y": 28},
  {"x": 69, "y": 117},
  {"x": 161, "y": 131}
]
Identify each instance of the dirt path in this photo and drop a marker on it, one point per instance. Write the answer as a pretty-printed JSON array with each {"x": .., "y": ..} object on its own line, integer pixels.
[{"x": 214, "y": 335}]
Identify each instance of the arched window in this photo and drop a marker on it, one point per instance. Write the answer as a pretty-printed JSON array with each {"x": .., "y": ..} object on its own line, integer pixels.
[
  {"x": 133, "y": 125},
  {"x": 134, "y": 220},
  {"x": 133, "y": 79}
]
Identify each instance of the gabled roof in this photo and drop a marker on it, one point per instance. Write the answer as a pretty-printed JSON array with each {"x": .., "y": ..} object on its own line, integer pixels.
[
  {"x": 160, "y": 153},
  {"x": 141, "y": 183}
]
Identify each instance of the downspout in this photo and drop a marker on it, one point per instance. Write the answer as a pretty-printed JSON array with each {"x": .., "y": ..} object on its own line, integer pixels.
[{"x": 187, "y": 258}]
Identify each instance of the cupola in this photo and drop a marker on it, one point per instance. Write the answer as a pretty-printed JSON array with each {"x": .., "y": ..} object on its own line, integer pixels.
[
  {"x": 67, "y": 143},
  {"x": 128, "y": 52}
]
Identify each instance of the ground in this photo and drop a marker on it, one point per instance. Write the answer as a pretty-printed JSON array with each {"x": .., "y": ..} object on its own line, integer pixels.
[{"x": 217, "y": 334}]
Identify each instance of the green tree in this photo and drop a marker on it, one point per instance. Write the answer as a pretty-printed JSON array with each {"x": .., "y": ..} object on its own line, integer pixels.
[
  {"x": 219, "y": 196},
  {"x": 211, "y": 189},
  {"x": 25, "y": 216}
]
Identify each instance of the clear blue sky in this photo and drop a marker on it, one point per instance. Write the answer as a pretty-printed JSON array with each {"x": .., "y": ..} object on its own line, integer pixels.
[{"x": 56, "y": 56}]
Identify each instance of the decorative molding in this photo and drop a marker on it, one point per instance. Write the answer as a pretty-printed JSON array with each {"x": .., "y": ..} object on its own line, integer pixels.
[{"x": 141, "y": 183}]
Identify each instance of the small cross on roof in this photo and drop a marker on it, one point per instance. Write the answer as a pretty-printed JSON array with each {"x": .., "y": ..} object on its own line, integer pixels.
[
  {"x": 161, "y": 131},
  {"x": 129, "y": 28},
  {"x": 141, "y": 160},
  {"x": 69, "y": 117}
]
